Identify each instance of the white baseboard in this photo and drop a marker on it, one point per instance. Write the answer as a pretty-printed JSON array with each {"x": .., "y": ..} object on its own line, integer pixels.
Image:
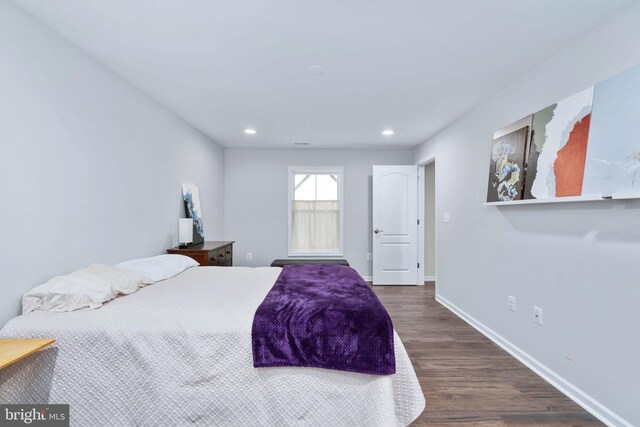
[
  {"x": 590, "y": 404},
  {"x": 370, "y": 279},
  {"x": 429, "y": 278}
]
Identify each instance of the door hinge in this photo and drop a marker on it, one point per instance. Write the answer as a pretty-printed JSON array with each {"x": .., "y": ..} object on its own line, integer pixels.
[
  {"x": 418, "y": 265},
  {"x": 418, "y": 222}
]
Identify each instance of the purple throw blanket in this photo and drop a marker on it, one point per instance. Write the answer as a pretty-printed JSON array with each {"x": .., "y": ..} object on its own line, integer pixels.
[{"x": 323, "y": 316}]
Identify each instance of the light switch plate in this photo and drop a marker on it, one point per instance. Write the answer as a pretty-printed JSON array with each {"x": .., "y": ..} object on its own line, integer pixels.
[{"x": 446, "y": 216}]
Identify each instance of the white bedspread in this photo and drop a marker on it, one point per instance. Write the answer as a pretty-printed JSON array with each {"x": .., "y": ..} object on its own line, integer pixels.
[{"x": 179, "y": 352}]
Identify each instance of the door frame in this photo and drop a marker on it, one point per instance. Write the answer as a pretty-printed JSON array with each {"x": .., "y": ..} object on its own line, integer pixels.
[{"x": 421, "y": 214}]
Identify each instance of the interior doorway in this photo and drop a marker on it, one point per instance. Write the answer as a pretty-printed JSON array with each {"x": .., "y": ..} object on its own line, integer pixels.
[
  {"x": 430, "y": 222},
  {"x": 428, "y": 228}
]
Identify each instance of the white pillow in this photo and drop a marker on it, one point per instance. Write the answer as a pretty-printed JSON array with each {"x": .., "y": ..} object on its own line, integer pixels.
[
  {"x": 159, "y": 267},
  {"x": 86, "y": 288}
]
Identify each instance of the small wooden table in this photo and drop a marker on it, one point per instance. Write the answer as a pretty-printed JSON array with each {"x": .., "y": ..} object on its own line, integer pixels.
[{"x": 14, "y": 349}]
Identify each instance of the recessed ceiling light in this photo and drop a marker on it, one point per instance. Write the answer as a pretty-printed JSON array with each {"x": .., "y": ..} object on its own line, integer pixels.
[
  {"x": 250, "y": 131},
  {"x": 387, "y": 132},
  {"x": 315, "y": 70}
]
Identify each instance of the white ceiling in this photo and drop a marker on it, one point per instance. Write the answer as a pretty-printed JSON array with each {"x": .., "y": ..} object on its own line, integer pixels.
[{"x": 411, "y": 65}]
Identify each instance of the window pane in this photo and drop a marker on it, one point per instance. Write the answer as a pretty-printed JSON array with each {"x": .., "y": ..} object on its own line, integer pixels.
[
  {"x": 327, "y": 187},
  {"x": 305, "y": 188}
]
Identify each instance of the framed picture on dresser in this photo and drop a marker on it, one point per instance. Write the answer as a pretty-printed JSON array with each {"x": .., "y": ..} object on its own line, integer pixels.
[{"x": 191, "y": 198}]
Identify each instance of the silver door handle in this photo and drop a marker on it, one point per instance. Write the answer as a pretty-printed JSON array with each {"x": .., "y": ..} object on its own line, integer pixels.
[{"x": 377, "y": 231}]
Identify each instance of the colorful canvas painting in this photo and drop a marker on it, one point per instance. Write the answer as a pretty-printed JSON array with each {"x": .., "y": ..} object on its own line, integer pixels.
[
  {"x": 562, "y": 137},
  {"x": 585, "y": 145},
  {"x": 613, "y": 156},
  {"x": 537, "y": 139},
  {"x": 191, "y": 197},
  {"x": 506, "y": 173}
]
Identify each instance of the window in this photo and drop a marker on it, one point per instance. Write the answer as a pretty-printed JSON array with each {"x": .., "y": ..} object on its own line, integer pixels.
[{"x": 315, "y": 211}]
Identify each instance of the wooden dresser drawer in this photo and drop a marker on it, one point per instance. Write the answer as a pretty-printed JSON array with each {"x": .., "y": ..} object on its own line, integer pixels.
[
  {"x": 209, "y": 253},
  {"x": 213, "y": 258},
  {"x": 218, "y": 257},
  {"x": 229, "y": 255}
]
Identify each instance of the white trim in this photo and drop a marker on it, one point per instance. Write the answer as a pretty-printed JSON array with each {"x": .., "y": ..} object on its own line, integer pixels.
[
  {"x": 422, "y": 163},
  {"x": 587, "y": 402},
  {"x": 368, "y": 278},
  {"x": 319, "y": 254},
  {"x": 339, "y": 170},
  {"x": 421, "y": 242},
  {"x": 427, "y": 159},
  {"x": 429, "y": 278}
]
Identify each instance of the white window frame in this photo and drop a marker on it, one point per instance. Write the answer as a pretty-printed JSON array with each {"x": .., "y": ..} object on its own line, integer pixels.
[{"x": 312, "y": 170}]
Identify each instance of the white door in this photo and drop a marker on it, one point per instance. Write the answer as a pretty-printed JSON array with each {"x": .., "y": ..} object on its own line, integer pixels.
[{"x": 395, "y": 225}]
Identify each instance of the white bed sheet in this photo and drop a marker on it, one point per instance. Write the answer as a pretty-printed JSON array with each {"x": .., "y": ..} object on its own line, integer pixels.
[{"x": 179, "y": 352}]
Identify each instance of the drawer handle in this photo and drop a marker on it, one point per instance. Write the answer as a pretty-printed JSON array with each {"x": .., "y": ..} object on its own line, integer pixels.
[{"x": 221, "y": 255}]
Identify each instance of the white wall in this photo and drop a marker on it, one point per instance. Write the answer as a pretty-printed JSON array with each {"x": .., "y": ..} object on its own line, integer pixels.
[
  {"x": 579, "y": 262},
  {"x": 90, "y": 169},
  {"x": 429, "y": 220},
  {"x": 256, "y": 199}
]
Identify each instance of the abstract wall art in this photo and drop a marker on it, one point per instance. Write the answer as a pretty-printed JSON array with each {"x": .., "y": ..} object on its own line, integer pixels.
[
  {"x": 585, "y": 147},
  {"x": 613, "y": 156},
  {"x": 538, "y": 137},
  {"x": 553, "y": 143},
  {"x": 561, "y": 137},
  {"x": 506, "y": 174},
  {"x": 191, "y": 198}
]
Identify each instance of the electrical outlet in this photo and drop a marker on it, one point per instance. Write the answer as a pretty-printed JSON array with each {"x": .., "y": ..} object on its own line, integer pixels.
[
  {"x": 249, "y": 256},
  {"x": 446, "y": 217},
  {"x": 512, "y": 303},
  {"x": 537, "y": 315},
  {"x": 369, "y": 256}
]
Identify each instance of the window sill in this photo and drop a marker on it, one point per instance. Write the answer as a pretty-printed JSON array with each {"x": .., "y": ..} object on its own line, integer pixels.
[{"x": 315, "y": 254}]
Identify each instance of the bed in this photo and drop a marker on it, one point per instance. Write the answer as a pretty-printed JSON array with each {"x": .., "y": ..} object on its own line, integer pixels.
[{"x": 179, "y": 352}]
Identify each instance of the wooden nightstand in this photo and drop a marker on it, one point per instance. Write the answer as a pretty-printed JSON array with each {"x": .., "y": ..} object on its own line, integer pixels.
[
  {"x": 14, "y": 349},
  {"x": 218, "y": 254}
]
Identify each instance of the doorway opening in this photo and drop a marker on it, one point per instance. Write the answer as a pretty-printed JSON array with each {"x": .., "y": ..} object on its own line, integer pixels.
[
  {"x": 427, "y": 245},
  {"x": 430, "y": 222}
]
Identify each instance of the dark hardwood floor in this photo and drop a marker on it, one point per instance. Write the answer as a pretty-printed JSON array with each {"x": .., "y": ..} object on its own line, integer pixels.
[{"x": 466, "y": 378}]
